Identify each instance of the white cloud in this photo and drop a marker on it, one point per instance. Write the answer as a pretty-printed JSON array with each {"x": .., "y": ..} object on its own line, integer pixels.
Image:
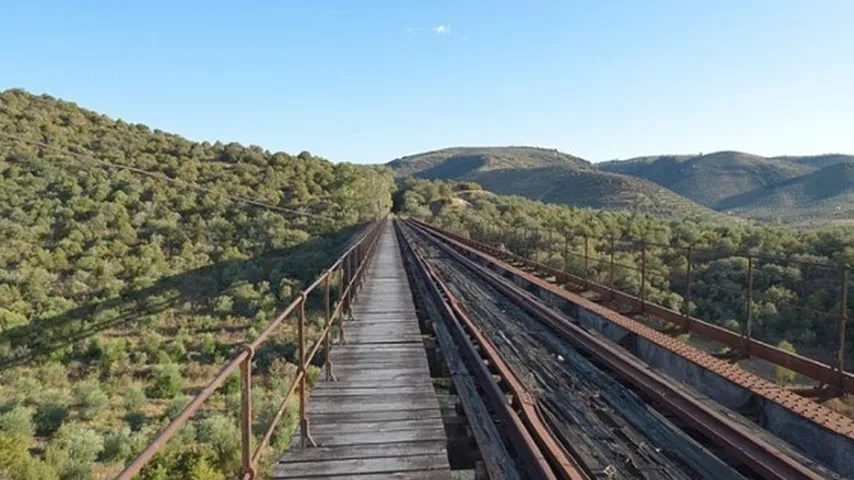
[{"x": 441, "y": 29}]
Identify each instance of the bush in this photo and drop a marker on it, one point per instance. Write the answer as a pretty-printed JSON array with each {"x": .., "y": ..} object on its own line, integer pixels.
[
  {"x": 177, "y": 405},
  {"x": 135, "y": 398},
  {"x": 16, "y": 463},
  {"x": 53, "y": 374},
  {"x": 18, "y": 421},
  {"x": 89, "y": 395},
  {"x": 118, "y": 446},
  {"x": 135, "y": 420},
  {"x": 167, "y": 381},
  {"x": 50, "y": 418},
  {"x": 73, "y": 450},
  {"x": 231, "y": 385},
  {"x": 222, "y": 434}
]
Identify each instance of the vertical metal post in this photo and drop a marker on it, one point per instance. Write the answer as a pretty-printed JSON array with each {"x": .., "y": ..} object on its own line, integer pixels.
[
  {"x": 526, "y": 240},
  {"x": 246, "y": 412},
  {"x": 305, "y": 435},
  {"x": 747, "y": 331},
  {"x": 327, "y": 343},
  {"x": 687, "y": 298},
  {"x": 643, "y": 278},
  {"x": 550, "y": 247},
  {"x": 843, "y": 324},
  {"x": 587, "y": 259},
  {"x": 611, "y": 269},
  {"x": 565, "y": 251}
]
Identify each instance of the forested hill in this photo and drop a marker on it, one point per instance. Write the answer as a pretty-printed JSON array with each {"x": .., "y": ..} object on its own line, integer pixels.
[
  {"x": 759, "y": 187},
  {"x": 121, "y": 294},
  {"x": 548, "y": 176}
]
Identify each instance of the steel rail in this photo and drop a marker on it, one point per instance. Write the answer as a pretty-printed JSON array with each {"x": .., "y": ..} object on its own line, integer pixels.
[
  {"x": 546, "y": 457},
  {"x": 759, "y": 455},
  {"x": 842, "y": 381}
]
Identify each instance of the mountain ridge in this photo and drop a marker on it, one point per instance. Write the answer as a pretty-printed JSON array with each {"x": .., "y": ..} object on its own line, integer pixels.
[{"x": 665, "y": 185}]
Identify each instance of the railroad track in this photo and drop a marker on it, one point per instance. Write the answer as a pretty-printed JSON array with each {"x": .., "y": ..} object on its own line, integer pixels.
[{"x": 571, "y": 404}]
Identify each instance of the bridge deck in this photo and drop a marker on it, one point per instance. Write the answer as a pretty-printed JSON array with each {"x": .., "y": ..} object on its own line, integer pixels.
[{"x": 381, "y": 419}]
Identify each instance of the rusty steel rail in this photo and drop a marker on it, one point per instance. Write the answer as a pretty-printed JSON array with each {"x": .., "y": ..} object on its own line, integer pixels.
[
  {"x": 350, "y": 265},
  {"x": 761, "y": 456},
  {"x": 833, "y": 376},
  {"x": 805, "y": 407},
  {"x": 529, "y": 433}
]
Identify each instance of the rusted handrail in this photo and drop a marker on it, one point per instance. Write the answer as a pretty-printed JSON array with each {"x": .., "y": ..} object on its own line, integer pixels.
[{"x": 351, "y": 266}]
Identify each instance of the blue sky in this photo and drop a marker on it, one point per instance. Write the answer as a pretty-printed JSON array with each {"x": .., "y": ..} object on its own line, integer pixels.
[{"x": 369, "y": 81}]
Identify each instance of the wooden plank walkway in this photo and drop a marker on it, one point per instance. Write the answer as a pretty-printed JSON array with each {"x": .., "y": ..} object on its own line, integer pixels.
[{"x": 381, "y": 419}]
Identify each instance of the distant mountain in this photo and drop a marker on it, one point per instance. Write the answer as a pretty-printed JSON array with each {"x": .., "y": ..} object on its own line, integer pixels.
[
  {"x": 826, "y": 194},
  {"x": 788, "y": 188},
  {"x": 549, "y": 176},
  {"x": 716, "y": 179},
  {"x": 709, "y": 179}
]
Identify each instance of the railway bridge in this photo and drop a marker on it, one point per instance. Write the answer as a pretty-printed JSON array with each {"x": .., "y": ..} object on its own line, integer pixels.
[{"x": 446, "y": 358}]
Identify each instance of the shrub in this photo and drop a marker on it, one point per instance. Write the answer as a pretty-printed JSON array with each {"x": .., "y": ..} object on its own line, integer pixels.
[
  {"x": 18, "y": 421},
  {"x": 53, "y": 374},
  {"x": 118, "y": 446},
  {"x": 208, "y": 345},
  {"x": 135, "y": 398},
  {"x": 231, "y": 385},
  {"x": 177, "y": 404},
  {"x": 167, "y": 381},
  {"x": 16, "y": 463},
  {"x": 177, "y": 350},
  {"x": 50, "y": 418},
  {"x": 783, "y": 374},
  {"x": 73, "y": 449},
  {"x": 135, "y": 420},
  {"x": 222, "y": 434},
  {"x": 89, "y": 395}
]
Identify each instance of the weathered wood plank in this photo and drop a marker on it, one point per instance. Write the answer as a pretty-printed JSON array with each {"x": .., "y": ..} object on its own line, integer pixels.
[
  {"x": 376, "y": 465},
  {"x": 346, "y": 391},
  {"x": 378, "y": 427},
  {"x": 347, "y": 452},
  {"x": 358, "y": 438},
  {"x": 382, "y": 415},
  {"x": 341, "y": 404}
]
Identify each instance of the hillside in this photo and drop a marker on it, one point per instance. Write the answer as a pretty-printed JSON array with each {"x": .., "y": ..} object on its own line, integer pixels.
[
  {"x": 121, "y": 294},
  {"x": 547, "y": 175},
  {"x": 723, "y": 180},
  {"x": 827, "y": 193}
]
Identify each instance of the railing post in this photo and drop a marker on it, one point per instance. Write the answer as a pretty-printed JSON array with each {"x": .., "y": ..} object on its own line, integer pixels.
[
  {"x": 246, "y": 412},
  {"x": 549, "y": 251},
  {"x": 611, "y": 269},
  {"x": 327, "y": 342},
  {"x": 527, "y": 240},
  {"x": 843, "y": 324},
  {"x": 643, "y": 278},
  {"x": 687, "y": 298},
  {"x": 305, "y": 435},
  {"x": 587, "y": 260},
  {"x": 565, "y": 251},
  {"x": 747, "y": 331}
]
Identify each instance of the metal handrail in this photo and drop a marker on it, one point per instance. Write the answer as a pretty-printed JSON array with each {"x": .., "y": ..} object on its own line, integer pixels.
[{"x": 351, "y": 265}]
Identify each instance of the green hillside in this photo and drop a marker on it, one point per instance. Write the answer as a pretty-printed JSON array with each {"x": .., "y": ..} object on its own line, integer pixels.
[
  {"x": 709, "y": 179},
  {"x": 763, "y": 188},
  {"x": 547, "y": 175},
  {"x": 121, "y": 294},
  {"x": 826, "y": 194}
]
